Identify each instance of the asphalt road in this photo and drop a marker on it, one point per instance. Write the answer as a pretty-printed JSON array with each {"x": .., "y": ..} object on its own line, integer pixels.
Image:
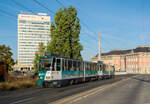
[
  {"x": 132, "y": 91},
  {"x": 48, "y": 95}
]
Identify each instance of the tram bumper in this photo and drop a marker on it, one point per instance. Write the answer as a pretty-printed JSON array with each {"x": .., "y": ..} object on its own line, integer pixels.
[{"x": 52, "y": 83}]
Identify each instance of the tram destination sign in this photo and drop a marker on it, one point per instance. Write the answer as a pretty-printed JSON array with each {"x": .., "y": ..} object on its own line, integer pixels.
[{"x": 45, "y": 60}]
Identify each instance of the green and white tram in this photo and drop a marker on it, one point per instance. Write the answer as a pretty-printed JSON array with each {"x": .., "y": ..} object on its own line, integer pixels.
[{"x": 58, "y": 71}]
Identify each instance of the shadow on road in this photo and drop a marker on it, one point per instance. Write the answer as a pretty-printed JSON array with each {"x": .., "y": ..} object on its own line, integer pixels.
[{"x": 144, "y": 80}]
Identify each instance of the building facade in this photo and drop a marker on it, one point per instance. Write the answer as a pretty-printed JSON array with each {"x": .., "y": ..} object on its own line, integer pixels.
[
  {"x": 32, "y": 30},
  {"x": 132, "y": 61}
]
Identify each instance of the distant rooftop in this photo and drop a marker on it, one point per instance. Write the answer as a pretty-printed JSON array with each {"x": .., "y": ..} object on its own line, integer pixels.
[
  {"x": 146, "y": 46},
  {"x": 120, "y": 52},
  {"x": 29, "y": 13}
]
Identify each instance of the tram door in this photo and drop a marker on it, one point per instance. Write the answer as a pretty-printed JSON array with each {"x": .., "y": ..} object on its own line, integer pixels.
[{"x": 58, "y": 64}]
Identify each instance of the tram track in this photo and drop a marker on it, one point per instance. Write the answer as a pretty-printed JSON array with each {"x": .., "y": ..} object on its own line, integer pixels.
[{"x": 46, "y": 95}]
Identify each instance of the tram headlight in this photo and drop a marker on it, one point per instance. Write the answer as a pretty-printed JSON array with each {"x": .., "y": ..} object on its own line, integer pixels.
[{"x": 41, "y": 77}]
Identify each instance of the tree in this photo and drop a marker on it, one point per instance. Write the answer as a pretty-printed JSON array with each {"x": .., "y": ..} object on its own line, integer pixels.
[
  {"x": 40, "y": 52},
  {"x": 6, "y": 56},
  {"x": 16, "y": 62},
  {"x": 35, "y": 62},
  {"x": 65, "y": 34}
]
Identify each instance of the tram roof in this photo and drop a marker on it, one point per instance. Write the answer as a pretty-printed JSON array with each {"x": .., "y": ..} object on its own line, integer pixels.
[{"x": 49, "y": 55}]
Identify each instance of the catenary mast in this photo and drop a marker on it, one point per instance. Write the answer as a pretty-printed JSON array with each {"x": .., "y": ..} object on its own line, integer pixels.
[{"x": 99, "y": 55}]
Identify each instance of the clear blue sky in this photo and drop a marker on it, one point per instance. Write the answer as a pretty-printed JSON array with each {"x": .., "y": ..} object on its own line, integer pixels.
[{"x": 123, "y": 24}]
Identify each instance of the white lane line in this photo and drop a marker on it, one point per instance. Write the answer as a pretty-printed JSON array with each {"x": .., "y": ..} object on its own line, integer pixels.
[
  {"x": 82, "y": 95},
  {"x": 98, "y": 90},
  {"x": 16, "y": 102},
  {"x": 85, "y": 96},
  {"x": 76, "y": 100}
]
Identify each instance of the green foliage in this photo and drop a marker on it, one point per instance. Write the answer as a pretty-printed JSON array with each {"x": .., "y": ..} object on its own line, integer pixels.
[
  {"x": 65, "y": 34},
  {"x": 35, "y": 62},
  {"x": 41, "y": 49},
  {"x": 16, "y": 62},
  {"x": 6, "y": 56},
  {"x": 40, "y": 52}
]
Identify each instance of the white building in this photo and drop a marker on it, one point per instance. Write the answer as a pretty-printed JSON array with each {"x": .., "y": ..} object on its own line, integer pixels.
[{"x": 32, "y": 30}]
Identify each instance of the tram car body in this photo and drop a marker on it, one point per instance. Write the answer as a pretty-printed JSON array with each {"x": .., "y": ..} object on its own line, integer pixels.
[{"x": 58, "y": 71}]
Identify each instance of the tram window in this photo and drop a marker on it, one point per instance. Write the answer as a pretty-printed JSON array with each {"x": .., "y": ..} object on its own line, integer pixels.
[
  {"x": 99, "y": 67},
  {"x": 53, "y": 64},
  {"x": 78, "y": 67},
  {"x": 84, "y": 66},
  {"x": 69, "y": 64},
  {"x": 62, "y": 63},
  {"x": 58, "y": 65},
  {"x": 104, "y": 67},
  {"x": 74, "y": 65},
  {"x": 47, "y": 66},
  {"x": 66, "y": 65},
  {"x": 92, "y": 66},
  {"x": 88, "y": 66},
  {"x": 81, "y": 66},
  {"x": 96, "y": 67}
]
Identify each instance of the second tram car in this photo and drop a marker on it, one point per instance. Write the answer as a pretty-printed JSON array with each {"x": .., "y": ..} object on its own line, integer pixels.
[{"x": 58, "y": 71}]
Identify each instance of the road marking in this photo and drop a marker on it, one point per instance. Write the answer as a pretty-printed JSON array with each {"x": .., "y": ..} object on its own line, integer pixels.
[
  {"x": 85, "y": 96},
  {"x": 82, "y": 95},
  {"x": 20, "y": 101}
]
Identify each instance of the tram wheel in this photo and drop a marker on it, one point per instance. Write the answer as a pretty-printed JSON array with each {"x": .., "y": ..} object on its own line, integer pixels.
[
  {"x": 71, "y": 82},
  {"x": 59, "y": 85},
  {"x": 43, "y": 85}
]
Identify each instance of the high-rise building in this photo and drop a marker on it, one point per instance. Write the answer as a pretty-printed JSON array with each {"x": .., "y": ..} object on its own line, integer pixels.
[{"x": 32, "y": 30}]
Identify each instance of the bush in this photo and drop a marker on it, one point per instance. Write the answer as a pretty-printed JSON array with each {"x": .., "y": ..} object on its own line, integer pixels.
[{"x": 9, "y": 86}]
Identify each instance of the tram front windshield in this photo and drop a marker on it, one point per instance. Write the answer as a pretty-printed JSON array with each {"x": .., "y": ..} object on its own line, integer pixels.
[{"x": 45, "y": 64}]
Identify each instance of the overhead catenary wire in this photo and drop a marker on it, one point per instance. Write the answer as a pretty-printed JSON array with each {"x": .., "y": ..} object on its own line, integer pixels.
[
  {"x": 7, "y": 13},
  {"x": 42, "y": 5},
  {"x": 21, "y": 5},
  {"x": 12, "y": 15},
  {"x": 60, "y": 3},
  {"x": 80, "y": 20},
  {"x": 49, "y": 11},
  {"x": 108, "y": 43},
  {"x": 91, "y": 36},
  {"x": 54, "y": 12}
]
